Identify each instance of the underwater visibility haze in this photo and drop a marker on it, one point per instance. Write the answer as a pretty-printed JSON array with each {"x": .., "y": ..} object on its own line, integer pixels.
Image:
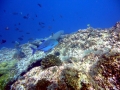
[
  {"x": 26, "y": 20},
  {"x": 59, "y": 44}
]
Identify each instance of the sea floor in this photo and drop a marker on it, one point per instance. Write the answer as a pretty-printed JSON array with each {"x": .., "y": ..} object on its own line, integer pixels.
[{"x": 88, "y": 59}]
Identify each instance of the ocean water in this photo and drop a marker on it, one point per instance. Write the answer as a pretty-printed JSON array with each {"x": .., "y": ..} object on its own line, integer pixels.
[{"x": 23, "y": 20}]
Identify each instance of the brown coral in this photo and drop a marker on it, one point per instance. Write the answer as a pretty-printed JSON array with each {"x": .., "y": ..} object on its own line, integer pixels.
[
  {"x": 107, "y": 71},
  {"x": 50, "y": 60},
  {"x": 71, "y": 77},
  {"x": 75, "y": 79},
  {"x": 42, "y": 84}
]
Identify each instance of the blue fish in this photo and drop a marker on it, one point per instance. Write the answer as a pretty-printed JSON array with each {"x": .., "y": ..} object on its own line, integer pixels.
[{"x": 46, "y": 45}]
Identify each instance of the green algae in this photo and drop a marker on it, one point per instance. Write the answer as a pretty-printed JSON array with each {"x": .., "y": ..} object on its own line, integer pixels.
[{"x": 7, "y": 72}]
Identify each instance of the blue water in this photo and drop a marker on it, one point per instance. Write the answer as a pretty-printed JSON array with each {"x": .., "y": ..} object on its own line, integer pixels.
[{"x": 67, "y": 15}]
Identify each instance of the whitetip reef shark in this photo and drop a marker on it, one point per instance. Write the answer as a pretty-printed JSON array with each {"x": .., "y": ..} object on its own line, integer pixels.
[{"x": 48, "y": 44}]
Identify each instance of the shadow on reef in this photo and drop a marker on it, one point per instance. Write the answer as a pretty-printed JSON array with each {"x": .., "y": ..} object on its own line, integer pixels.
[
  {"x": 8, "y": 85},
  {"x": 35, "y": 64},
  {"x": 48, "y": 61},
  {"x": 103, "y": 75}
]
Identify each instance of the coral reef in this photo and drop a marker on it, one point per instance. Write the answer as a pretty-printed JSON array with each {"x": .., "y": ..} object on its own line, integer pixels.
[
  {"x": 73, "y": 78},
  {"x": 87, "y": 57},
  {"x": 42, "y": 84},
  {"x": 81, "y": 61},
  {"x": 50, "y": 60},
  {"x": 18, "y": 55},
  {"x": 36, "y": 75},
  {"x": 117, "y": 27},
  {"x": 7, "y": 72},
  {"x": 106, "y": 72}
]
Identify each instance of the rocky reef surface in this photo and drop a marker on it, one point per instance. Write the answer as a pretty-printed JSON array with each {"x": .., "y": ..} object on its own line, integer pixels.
[{"x": 88, "y": 59}]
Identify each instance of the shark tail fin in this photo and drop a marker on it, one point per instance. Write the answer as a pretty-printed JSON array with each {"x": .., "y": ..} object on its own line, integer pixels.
[{"x": 34, "y": 50}]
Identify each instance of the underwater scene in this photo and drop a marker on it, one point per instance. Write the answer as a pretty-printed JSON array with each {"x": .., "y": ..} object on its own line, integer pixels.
[{"x": 59, "y": 44}]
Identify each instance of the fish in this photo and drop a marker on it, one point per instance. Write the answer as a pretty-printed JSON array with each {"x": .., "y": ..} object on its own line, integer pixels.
[
  {"x": 50, "y": 43},
  {"x": 13, "y": 42},
  {"x": 42, "y": 26},
  {"x": 32, "y": 18},
  {"x": 28, "y": 14},
  {"x": 15, "y": 13},
  {"x": 61, "y": 16},
  {"x": 57, "y": 35},
  {"x": 27, "y": 33},
  {"x": 3, "y": 41},
  {"x": 42, "y": 40},
  {"x": 16, "y": 29},
  {"x": 20, "y": 30},
  {"x": 20, "y": 38},
  {"x": 4, "y": 10},
  {"x": 39, "y": 5},
  {"x": 7, "y": 28},
  {"x": 41, "y": 23},
  {"x": 35, "y": 44},
  {"x": 45, "y": 46},
  {"x": 39, "y": 29},
  {"x": 53, "y": 19},
  {"x": 22, "y": 35},
  {"x": 25, "y": 17},
  {"x": 19, "y": 53},
  {"x": 30, "y": 39},
  {"x": 49, "y": 27}
]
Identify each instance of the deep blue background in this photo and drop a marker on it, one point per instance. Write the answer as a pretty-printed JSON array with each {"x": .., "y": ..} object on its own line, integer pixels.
[{"x": 67, "y": 15}]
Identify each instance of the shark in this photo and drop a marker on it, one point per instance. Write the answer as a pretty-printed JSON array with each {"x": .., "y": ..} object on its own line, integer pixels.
[
  {"x": 57, "y": 35},
  {"x": 49, "y": 44},
  {"x": 45, "y": 46}
]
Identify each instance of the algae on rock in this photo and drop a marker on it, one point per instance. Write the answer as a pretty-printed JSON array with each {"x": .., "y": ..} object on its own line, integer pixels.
[
  {"x": 106, "y": 71},
  {"x": 7, "y": 72},
  {"x": 74, "y": 78}
]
